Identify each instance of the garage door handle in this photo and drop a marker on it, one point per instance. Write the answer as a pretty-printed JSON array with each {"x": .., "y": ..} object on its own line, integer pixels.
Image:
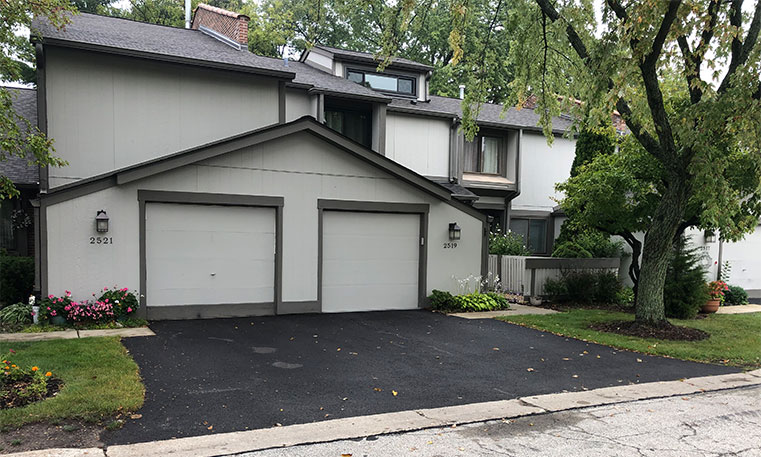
[{"x": 213, "y": 274}]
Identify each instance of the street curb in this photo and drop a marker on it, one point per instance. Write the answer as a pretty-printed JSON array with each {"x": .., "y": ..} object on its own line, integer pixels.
[{"x": 405, "y": 421}]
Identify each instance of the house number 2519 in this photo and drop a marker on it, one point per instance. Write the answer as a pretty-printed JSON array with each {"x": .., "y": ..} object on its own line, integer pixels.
[
  {"x": 450, "y": 245},
  {"x": 101, "y": 240}
]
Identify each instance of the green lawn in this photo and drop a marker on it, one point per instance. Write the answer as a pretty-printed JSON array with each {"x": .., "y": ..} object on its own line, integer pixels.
[
  {"x": 735, "y": 338},
  {"x": 100, "y": 379}
]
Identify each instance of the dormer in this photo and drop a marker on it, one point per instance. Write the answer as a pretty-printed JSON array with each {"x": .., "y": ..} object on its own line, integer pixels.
[{"x": 403, "y": 78}]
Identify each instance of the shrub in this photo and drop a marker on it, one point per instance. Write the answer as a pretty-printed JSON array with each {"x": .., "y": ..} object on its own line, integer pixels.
[
  {"x": 625, "y": 296},
  {"x": 16, "y": 315},
  {"x": 597, "y": 287},
  {"x": 476, "y": 302},
  {"x": 124, "y": 302},
  {"x": 16, "y": 279},
  {"x": 90, "y": 312},
  {"x": 588, "y": 244},
  {"x": 441, "y": 300},
  {"x": 735, "y": 295},
  {"x": 509, "y": 243},
  {"x": 685, "y": 290}
]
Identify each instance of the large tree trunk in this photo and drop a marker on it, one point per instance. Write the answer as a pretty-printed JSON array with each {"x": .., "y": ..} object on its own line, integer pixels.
[{"x": 657, "y": 251}]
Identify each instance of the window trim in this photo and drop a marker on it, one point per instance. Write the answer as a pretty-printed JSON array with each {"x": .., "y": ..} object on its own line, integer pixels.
[{"x": 412, "y": 79}]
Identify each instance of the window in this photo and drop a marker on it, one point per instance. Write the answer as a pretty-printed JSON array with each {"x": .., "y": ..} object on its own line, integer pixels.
[
  {"x": 533, "y": 231},
  {"x": 484, "y": 155},
  {"x": 7, "y": 235},
  {"x": 383, "y": 82},
  {"x": 355, "y": 124}
]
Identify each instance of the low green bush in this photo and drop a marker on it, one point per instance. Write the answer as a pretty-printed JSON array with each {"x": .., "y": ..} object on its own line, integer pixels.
[
  {"x": 509, "y": 243},
  {"x": 736, "y": 295},
  {"x": 446, "y": 302},
  {"x": 584, "y": 287},
  {"x": 16, "y": 279},
  {"x": 16, "y": 315},
  {"x": 625, "y": 296},
  {"x": 441, "y": 300},
  {"x": 587, "y": 244}
]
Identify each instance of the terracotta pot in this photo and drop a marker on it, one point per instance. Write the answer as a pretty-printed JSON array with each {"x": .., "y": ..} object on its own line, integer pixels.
[{"x": 711, "y": 306}]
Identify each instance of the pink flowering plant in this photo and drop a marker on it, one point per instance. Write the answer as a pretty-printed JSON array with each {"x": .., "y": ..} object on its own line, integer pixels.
[
  {"x": 90, "y": 312},
  {"x": 53, "y": 306},
  {"x": 124, "y": 302}
]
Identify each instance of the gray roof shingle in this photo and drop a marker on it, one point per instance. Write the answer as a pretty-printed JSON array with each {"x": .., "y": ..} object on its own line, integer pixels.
[
  {"x": 17, "y": 168},
  {"x": 357, "y": 56},
  {"x": 162, "y": 42},
  {"x": 490, "y": 114}
]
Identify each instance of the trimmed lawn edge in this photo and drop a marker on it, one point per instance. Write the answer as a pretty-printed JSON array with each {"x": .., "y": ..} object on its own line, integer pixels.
[{"x": 735, "y": 339}]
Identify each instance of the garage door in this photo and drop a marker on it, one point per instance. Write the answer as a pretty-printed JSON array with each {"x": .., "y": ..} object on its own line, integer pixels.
[
  {"x": 209, "y": 255},
  {"x": 370, "y": 261}
]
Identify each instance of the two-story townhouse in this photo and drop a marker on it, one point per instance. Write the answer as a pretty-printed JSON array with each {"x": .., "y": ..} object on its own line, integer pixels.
[{"x": 200, "y": 174}]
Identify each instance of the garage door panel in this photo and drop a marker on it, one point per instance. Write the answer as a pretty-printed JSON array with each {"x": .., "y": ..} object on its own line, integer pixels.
[
  {"x": 207, "y": 255},
  {"x": 370, "y": 261}
]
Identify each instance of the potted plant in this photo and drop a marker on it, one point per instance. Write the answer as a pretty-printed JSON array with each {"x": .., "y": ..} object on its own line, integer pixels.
[
  {"x": 53, "y": 309},
  {"x": 716, "y": 291}
]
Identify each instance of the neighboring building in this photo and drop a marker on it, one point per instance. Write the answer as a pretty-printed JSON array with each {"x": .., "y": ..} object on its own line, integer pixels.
[{"x": 16, "y": 214}]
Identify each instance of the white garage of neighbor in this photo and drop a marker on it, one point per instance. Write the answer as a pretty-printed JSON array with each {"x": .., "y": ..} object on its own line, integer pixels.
[{"x": 292, "y": 218}]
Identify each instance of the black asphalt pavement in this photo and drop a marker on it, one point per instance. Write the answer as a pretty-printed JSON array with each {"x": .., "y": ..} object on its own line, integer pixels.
[{"x": 224, "y": 375}]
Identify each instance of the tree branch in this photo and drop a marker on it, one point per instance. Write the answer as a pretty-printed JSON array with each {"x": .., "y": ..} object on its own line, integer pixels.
[
  {"x": 694, "y": 60},
  {"x": 741, "y": 49}
]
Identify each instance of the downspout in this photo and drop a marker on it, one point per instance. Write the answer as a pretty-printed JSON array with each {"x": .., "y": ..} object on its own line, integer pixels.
[
  {"x": 187, "y": 14},
  {"x": 721, "y": 252}
]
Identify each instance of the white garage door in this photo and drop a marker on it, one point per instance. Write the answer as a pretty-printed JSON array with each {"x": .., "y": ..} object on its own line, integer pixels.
[
  {"x": 369, "y": 261},
  {"x": 207, "y": 255}
]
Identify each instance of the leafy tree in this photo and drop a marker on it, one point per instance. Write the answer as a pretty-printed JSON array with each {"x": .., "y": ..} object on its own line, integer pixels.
[
  {"x": 652, "y": 61},
  {"x": 161, "y": 12},
  {"x": 17, "y": 136},
  {"x": 92, "y": 6}
]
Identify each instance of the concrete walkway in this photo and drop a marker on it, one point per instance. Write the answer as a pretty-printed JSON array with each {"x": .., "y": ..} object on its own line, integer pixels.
[
  {"x": 515, "y": 310},
  {"x": 741, "y": 309},
  {"x": 74, "y": 334}
]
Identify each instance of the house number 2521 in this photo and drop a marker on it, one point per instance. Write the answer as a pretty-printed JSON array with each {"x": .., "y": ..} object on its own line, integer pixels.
[
  {"x": 450, "y": 245},
  {"x": 101, "y": 240}
]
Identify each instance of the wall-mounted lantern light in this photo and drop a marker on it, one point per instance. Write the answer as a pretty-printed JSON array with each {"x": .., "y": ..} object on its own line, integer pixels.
[
  {"x": 710, "y": 236},
  {"x": 101, "y": 221},
  {"x": 454, "y": 231}
]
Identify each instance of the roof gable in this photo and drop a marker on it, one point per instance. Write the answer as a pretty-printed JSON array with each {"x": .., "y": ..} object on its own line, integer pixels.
[{"x": 208, "y": 151}]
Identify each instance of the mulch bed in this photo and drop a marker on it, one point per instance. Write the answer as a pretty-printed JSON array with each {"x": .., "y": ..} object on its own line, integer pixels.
[
  {"x": 10, "y": 397},
  {"x": 69, "y": 434},
  {"x": 665, "y": 332}
]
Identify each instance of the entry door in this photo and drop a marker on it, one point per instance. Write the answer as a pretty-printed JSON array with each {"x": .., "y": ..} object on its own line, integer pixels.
[
  {"x": 370, "y": 261},
  {"x": 209, "y": 255}
]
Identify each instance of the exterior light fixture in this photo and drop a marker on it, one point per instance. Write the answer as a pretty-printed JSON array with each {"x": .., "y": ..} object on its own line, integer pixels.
[
  {"x": 454, "y": 231},
  {"x": 710, "y": 236},
  {"x": 101, "y": 221}
]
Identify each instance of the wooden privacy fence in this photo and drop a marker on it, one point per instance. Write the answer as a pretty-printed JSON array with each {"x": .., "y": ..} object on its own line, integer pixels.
[{"x": 529, "y": 274}]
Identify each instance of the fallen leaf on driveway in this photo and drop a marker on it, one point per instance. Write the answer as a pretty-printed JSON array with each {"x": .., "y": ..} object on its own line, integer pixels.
[
  {"x": 529, "y": 369},
  {"x": 353, "y": 353},
  {"x": 377, "y": 389},
  {"x": 575, "y": 376},
  {"x": 135, "y": 416},
  {"x": 345, "y": 455},
  {"x": 495, "y": 349},
  {"x": 395, "y": 393},
  {"x": 278, "y": 424},
  {"x": 639, "y": 360},
  {"x": 597, "y": 356},
  {"x": 345, "y": 398},
  {"x": 209, "y": 427},
  {"x": 338, "y": 350},
  {"x": 566, "y": 358}
]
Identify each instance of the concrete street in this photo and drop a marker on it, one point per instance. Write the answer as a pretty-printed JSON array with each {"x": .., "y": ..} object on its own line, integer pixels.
[{"x": 720, "y": 423}]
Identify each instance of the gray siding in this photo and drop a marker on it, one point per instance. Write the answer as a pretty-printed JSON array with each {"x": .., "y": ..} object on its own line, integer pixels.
[{"x": 107, "y": 112}]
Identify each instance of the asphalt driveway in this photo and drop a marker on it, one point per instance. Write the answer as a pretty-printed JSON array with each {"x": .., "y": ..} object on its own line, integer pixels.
[{"x": 224, "y": 375}]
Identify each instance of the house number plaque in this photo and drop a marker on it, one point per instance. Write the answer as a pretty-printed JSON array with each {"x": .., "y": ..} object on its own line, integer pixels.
[
  {"x": 101, "y": 240},
  {"x": 450, "y": 245}
]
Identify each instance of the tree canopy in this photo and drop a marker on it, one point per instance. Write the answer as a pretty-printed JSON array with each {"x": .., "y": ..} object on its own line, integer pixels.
[{"x": 18, "y": 137}]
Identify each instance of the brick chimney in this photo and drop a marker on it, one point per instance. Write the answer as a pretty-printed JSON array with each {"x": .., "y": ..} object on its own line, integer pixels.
[{"x": 232, "y": 25}]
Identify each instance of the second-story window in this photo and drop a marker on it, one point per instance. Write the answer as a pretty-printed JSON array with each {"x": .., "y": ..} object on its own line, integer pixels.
[
  {"x": 484, "y": 155},
  {"x": 383, "y": 82}
]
